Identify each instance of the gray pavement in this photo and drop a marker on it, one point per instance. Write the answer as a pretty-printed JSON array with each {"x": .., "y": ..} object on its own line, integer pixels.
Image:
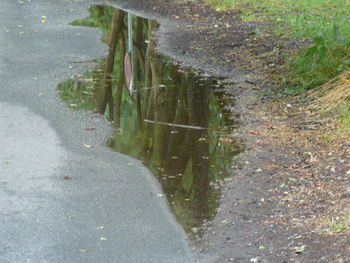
[{"x": 111, "y": 209}]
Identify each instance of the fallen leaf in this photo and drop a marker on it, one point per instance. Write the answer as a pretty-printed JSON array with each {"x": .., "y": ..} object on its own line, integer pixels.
[
  {"x": 299, "y": 250},
  {"x": 103, "y": 238},
  {"x": 225, "y": 140},
  {"x": 82, "y": 250},
  {"x": 88, "y": 146}
]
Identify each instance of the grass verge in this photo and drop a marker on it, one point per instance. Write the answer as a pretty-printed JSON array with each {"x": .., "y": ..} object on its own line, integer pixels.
[{"x": 326, "y": 24}]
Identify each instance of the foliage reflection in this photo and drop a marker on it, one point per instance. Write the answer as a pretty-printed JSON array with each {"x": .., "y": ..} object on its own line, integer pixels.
[{"x": 173, "y": 121}]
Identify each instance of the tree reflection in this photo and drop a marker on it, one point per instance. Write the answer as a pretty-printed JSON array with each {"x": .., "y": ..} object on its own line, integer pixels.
[{"x": 172, "y": 121}]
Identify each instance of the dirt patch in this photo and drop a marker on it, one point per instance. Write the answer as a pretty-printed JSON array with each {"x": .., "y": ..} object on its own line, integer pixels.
[{"x": 290, "y": 196}]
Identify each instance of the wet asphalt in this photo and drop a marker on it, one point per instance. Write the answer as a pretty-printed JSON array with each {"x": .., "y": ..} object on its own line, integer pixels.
[{"x": 61, "y": 201}]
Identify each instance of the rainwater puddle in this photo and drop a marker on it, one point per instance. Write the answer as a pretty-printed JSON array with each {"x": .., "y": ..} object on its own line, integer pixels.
[{"x": 174, "y": 120}]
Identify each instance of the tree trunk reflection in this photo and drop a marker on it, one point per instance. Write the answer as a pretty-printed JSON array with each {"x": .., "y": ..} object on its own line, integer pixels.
[
  {"x": 116, "y": 28},
  {"x": 170, "y": 121}
]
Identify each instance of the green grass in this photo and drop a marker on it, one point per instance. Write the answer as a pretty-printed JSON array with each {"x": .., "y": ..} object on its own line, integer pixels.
[
  {"x": 296, "y": 18},
  {"x": 325, "y": 22},
  {"x": 344, "y": 120},
  {"x": 338, "y": 227},
  {"x": 326, "y": 58},
  {"x": 344, "y": 224}
]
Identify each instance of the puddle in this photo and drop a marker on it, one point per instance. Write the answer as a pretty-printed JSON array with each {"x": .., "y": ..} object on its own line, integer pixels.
[{"x": 174, "y": 120}]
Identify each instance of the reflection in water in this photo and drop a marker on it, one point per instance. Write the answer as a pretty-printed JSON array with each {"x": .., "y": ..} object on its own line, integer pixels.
[{"x": 173, "y": 121}]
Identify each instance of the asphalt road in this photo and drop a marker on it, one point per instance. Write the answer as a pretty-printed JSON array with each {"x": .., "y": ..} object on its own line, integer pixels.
[{"x": 111, "y": 208}]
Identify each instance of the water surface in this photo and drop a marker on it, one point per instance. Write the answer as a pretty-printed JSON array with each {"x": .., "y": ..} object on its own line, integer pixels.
[{"x": 174, "y": 120}]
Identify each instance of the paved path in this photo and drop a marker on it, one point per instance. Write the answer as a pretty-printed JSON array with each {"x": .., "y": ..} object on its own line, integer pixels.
[{"x": 110, "y": 210}]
